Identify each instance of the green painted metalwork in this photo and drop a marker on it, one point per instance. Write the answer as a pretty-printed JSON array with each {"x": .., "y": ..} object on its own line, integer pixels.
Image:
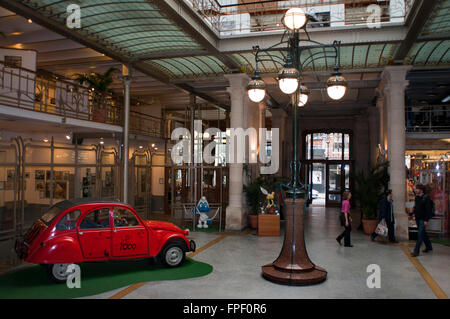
[{"x": 352, "y": 58}]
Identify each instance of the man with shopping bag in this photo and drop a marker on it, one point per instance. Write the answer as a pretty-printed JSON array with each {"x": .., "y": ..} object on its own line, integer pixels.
[{"x": 386, "y": 215}]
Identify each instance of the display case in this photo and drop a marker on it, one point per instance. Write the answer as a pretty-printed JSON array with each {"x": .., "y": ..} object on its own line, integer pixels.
[{"x": 434, "y": 173}]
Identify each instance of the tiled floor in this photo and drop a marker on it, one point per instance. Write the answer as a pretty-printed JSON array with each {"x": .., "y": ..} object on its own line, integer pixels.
[{"x": 237, "y": 262}]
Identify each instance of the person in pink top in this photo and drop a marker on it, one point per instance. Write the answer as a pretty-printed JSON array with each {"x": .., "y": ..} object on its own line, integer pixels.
[{"x": 346, "y": 220}]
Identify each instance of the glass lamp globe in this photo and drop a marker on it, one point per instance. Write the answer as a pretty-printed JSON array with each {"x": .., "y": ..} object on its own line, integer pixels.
[
  {"x": 302, "y": 96},
  {"x": 295, "y": 19},
  {"x": 288, "y": 80},
  {"x": 336, "y": 87},
  {"x": 256, "y": 89}
]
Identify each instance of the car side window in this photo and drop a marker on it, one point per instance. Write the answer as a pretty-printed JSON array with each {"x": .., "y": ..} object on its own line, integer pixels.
[
  {"x": 124, "y": 218},
  {"x": 69, "y": 220},
  {"x": 96, "y": 219}
]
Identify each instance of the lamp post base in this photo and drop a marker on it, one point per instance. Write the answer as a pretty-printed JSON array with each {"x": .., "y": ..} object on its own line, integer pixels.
[
  {"x": 293, "y": 266},
  {"x": 294, "y": 278}
]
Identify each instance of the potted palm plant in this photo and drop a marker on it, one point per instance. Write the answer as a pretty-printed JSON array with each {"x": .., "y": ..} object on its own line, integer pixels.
[
  {"x": 254, "y": 199},
  {"x": 99, "y": 85},
  {"x": 370, "y": 187}
]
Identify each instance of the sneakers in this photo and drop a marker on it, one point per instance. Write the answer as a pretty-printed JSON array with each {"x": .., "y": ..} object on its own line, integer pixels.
[
  {"x": 348, "y": 245},
  {"x": 427, "y": 250},
  {"x": 413, "y": 254}
]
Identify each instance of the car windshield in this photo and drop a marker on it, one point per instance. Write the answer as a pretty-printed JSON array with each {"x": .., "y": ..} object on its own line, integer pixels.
[{"x": 51, "y": 214}]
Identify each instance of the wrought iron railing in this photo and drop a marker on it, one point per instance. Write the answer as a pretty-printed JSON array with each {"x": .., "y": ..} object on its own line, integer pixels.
[
  {"x": 144, "y": 124},
  {"x": 429, "y": 118},
  {"x": 243, "y": 16},
  {"x": 26, "y": 89}
]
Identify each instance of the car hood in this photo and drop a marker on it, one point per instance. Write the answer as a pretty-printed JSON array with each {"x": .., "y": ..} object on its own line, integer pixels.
[{"x": 162, "y": 225}]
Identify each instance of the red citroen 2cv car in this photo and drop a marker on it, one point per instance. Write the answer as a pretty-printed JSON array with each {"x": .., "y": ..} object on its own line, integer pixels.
[{"x": 84, "y": 230}]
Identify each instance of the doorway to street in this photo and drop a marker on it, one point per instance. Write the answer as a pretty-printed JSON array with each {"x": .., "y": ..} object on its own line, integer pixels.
[{"x": 327, "y": 166}]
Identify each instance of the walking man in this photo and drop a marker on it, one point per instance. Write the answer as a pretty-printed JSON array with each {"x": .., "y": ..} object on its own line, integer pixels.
[
  {"x": 423, "y": 211},
  {"x": 387, "y": 213}
]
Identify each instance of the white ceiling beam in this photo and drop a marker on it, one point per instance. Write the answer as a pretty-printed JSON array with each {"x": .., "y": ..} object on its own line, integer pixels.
[{"x": 347, "y": 35}]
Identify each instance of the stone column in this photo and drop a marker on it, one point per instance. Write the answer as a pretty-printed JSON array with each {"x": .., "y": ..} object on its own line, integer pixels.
[
  {"x": 382, "y": 127},
  {"x": 235, "y": 213},
  {"x": 262, "y": 114},
  {"x": 394, "y": 78},
  {"x": 373, "y": 116},
  {"x": 279, "y": 121}
]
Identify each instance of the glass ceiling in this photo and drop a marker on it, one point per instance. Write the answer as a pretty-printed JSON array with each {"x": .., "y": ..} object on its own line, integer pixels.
[
  {"x": 190, "y": 67},
  {"x": 439, "y": 21},
  {"x": 131, "y": 27},
  {"x": 138, "y": 28}
]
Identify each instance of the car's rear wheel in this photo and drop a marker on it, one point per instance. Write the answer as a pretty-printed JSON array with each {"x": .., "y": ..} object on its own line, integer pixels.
[
  {"x": 59, "y": 272},
  {"x": 173, "y": 255}
]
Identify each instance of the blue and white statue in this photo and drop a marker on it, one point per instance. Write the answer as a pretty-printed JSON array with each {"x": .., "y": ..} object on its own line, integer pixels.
[{"x": 202, "y": 209}]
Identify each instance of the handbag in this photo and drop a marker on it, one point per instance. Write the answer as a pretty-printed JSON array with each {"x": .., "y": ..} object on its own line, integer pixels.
[{"x": 382, "y": 229}]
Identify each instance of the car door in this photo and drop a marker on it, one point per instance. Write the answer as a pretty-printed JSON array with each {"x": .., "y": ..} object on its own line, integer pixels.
[
  {"x": 129, "y": 237},
  {"x": 94, "y": 234}
]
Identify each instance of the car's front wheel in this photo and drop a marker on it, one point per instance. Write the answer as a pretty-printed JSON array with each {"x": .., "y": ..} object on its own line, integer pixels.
[
  {"x": 59, "y": 272},
  {"x": 173, "y": 255}
]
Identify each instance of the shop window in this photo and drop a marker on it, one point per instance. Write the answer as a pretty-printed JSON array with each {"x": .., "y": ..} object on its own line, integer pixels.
[
  {"x": 124, "y": 218},
  {"x": 69, "y": 221},
  {"x": 96, "y": 219}
]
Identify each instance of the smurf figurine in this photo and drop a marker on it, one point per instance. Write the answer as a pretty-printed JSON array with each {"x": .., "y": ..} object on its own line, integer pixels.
[{"x": 202, "y": 209}]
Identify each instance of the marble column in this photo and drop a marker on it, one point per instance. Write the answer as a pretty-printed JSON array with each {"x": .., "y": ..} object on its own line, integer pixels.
[
  {"x": 235, "y": 213},
  {"x": 382, "y": 128},
  {"x": 279, "y": 117},
  {"x": 395, "y": 83},
  {"x": 373, "y": 118}
]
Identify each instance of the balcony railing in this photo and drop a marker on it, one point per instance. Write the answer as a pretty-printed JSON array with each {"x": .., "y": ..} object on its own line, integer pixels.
[
  {"x": 26, "y": 89},
  {"x": 430, "y": 118},
  {"x": 148, "y": 125},
  {"x": 229, "y": 17}
]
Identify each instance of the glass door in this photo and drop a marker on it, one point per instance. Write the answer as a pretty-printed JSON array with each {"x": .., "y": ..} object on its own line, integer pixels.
[
  {"x": 318, "y": 183},
  {"x": 334, "y": 184}
]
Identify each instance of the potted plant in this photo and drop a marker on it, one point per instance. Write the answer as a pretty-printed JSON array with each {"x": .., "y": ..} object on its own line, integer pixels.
[
  {"x": 253, "y": 197},
  {"x": 369, "y": 190},
  {"x": 99, "y": 85}
]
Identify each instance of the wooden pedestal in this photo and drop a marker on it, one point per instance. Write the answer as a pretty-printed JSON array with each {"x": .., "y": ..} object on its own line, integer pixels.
[{"x": 268, "y": 225}]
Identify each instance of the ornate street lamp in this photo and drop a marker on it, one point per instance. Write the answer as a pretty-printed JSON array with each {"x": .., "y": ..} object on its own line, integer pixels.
[
  {"x": 295, "y": 19},
  {"x": 301, "y": 97},
  {"x": 288, "y": 78},
  {"x": 256, "y": 88},
  {"x": 293, "y": 266},
  {"x": 336, "y": 86}
]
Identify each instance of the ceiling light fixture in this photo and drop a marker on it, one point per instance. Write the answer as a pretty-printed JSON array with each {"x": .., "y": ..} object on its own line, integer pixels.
[{"x": 256, "y": 88}]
